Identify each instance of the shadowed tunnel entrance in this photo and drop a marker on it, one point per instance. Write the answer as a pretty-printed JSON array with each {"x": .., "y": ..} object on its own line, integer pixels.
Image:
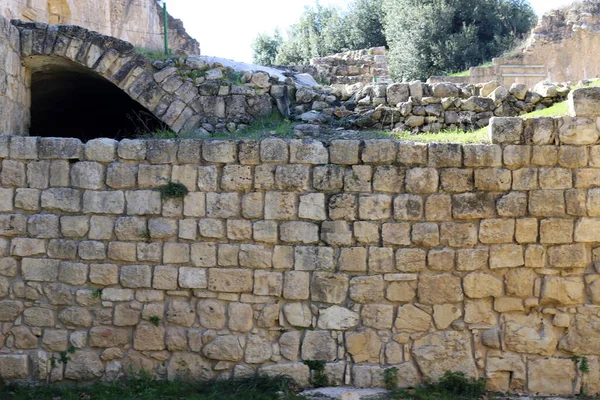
[{"x": 67, "y": 100}]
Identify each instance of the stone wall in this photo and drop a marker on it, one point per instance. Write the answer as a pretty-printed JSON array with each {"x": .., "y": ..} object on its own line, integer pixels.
[
  {"x": 367, "y": 255},
  {"x": 351, "y": 67},
  {"x": 136, "y": 21},
  {"x": 561, "y": 48},
  {"x": 14, "y": 83},
  {"x": 423, "y": 107}
]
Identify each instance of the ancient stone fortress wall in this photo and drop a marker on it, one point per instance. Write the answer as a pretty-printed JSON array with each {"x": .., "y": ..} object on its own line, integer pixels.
[
  {"x": 366, "y": 255},
  {"x": 14, "y": 85}
]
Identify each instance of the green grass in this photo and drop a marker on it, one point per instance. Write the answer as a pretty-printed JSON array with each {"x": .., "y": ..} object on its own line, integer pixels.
[
  {"x": 142, "y": 387},
  {"x": 451, "y": 386},
  {"x": 272, "y": 125},
  {"x": 466, "y": 72},
  {"x": 154, "y": 55}
]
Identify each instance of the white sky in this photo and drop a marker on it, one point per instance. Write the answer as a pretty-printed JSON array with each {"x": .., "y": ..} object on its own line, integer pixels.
[{"x": 226, "y": 28}]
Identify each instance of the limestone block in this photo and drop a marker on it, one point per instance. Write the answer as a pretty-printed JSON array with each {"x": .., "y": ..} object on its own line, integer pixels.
[
  {"x": 401, "y": 291},
  {"x": 176, "y": 253},
  {"x": 71, "y": 317},
  {"x": 437, "y": 353},
  {"x": 252, "y": 205},
  {"x": 299, "y": 232},
  {"x": 328, "y": 177},
  {"x": 99, "y": 202},
  {"x": 512, "y": 204},
  {"x": 569, "y": 256},
  {"x": 73, "y": 273},
  {"x": 280, "y": 205},
  {"x": 329, "y": 287},
  {"x": 344, "y": 152},
  {"x": 39, "y": 270},
  {"x": 412, "y": 154},
  {"x": 298, "y": 371},
  {"x": 506, "y": 256},
  {"x": 258, "y": 350},
  {"x": 408, "y": 207},
  {"x": 366, "y": 232},
  {"x": 102, "y": 150},
  {"x": 211, "y": 314},
  {"x": 520, "y": 282},
  {"x": 188, "y": 367},
  {"x": 412, "y": 319},
  {"x": 308, "y": 152},
  {"x": 219, "y": 151},
  {"x": 551, "y": 376},
  {"x": 379, "y": 151},
  {"x": 582, "y": 336},
  {"x": 363, "y": 346},
  {"x": 479, "y": 285},
  {"x": 440, "y": 289},
  {"x": 319, "y": 345},
  {"x": 441, "y": 259},
  {"x": 192, "y": 278},
  {"x": 445, "y": 314},
  {"x": 366, "y": 289},
  {"x": 224, "y": 348},
  {"x": 425, "y": 234},
  {"x": 422, "y": 180},
  {"x": 104, "y": 274},
  {"x": 136, "y": 276},
  {"x": 268, "y": 283},
  {"x": 308, "y": 258},
  {"x": 358, "y": 178},
  {"x": 337, "y": 318},
  {"x": 92, "y": 250},
  {"x": 578, "y": 131},
  {"x": 61, "y": 148},
  {"x": 528, "y": 334},
  {"x": 10, "y": 310},
  {"x": 410, "y": 259},
  {"x": 129, "y": 149},
  {"x": 143, "y": 202},
  {"x": 563, "y": 291},
  {"x": 84, "y": 366},
  {"x": 296, "y": 285},
  {"x": 273, "y": 150},
  {"x": 312, "y": 207},
  {"x": 496, "y": 230},
  {"x": 236, "y": 178},
  {"x": 456, "y": 180},
  {"x": 62, "y": 199},
  {"x": 149, "y": 338},
  {"x": 377, "y": 316},
  {"x": 506, "y": 130},
  {"x": 473, "y": 205},
  {"x": 381, "y": 259},
  {"x": 343, "y": 206},
  {"x": 230, "y": 280},
  {"x": 162, "y": 151}
]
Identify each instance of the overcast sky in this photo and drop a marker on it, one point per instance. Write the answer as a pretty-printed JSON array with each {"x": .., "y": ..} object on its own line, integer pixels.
[{"x": 226, "y": 28}]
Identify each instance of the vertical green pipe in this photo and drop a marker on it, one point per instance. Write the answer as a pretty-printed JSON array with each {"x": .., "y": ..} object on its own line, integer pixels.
[{"x": 166, "y": 26}]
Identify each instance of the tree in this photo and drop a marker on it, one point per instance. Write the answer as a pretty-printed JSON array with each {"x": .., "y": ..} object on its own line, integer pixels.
[
  {"x": 323, "y": 31},
  {"x": 265, "y": 47},
  {"x": 428, "y": 37},
  {"x": 364, "y": 22}
]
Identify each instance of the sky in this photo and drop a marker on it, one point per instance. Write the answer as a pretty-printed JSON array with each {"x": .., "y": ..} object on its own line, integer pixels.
[{"x": 226, "y": 28}]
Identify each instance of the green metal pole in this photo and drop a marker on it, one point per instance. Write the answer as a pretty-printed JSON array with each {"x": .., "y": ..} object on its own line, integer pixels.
[{"x": 166, "y": 25}]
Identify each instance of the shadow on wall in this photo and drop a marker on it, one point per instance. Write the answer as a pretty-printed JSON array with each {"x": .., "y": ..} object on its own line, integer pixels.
[{"x": 68, "y": 100}]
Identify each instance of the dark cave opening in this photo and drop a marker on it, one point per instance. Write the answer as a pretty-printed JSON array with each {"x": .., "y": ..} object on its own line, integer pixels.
[{"x": 69, "y": 101}]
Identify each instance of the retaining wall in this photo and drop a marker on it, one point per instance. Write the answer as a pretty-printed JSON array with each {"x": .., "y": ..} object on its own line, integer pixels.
[
  {"x": 367, "y": 255},
  {"x": 14, "y": 83}
]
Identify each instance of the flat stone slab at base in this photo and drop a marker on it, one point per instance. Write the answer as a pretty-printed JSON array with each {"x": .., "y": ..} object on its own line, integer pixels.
[{"x": 345, "y": 393}]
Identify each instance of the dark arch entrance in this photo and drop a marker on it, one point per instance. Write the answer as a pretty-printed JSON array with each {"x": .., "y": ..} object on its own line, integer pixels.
[{"x": 68, "y": 100}]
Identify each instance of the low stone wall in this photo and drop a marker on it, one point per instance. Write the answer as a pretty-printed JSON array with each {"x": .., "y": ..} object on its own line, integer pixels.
[
  {"x": 14, "y": 86},
  {"x": 424, "y": 107},
  {"x": 358, "y": 66},
  {"x": 366, "y": 255}
]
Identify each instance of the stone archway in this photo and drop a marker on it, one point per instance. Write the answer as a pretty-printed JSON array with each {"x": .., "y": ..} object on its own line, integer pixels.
[
  {"x": 59, "y": 12},
  {"x": 108, "y": 66}
]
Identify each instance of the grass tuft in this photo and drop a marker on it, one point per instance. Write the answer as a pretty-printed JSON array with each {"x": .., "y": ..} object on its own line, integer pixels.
[
  {"x": 451, "y": 386},
  {"x": 141, "y": 386},
  {"x": 173, "y": 190},
  {"x": 154, "y": 55}
]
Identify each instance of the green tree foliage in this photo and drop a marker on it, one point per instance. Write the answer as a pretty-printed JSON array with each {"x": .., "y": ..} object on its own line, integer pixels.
[
  {"x": 424, "y": 37},
  {"x": 264, "y": 48},
  {"x": 322, "y": 31},
  {"x": 429, "y": 37}
]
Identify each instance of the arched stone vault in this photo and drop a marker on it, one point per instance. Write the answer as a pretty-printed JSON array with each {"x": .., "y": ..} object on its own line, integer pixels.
[{"x": 77, "y": 50}]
